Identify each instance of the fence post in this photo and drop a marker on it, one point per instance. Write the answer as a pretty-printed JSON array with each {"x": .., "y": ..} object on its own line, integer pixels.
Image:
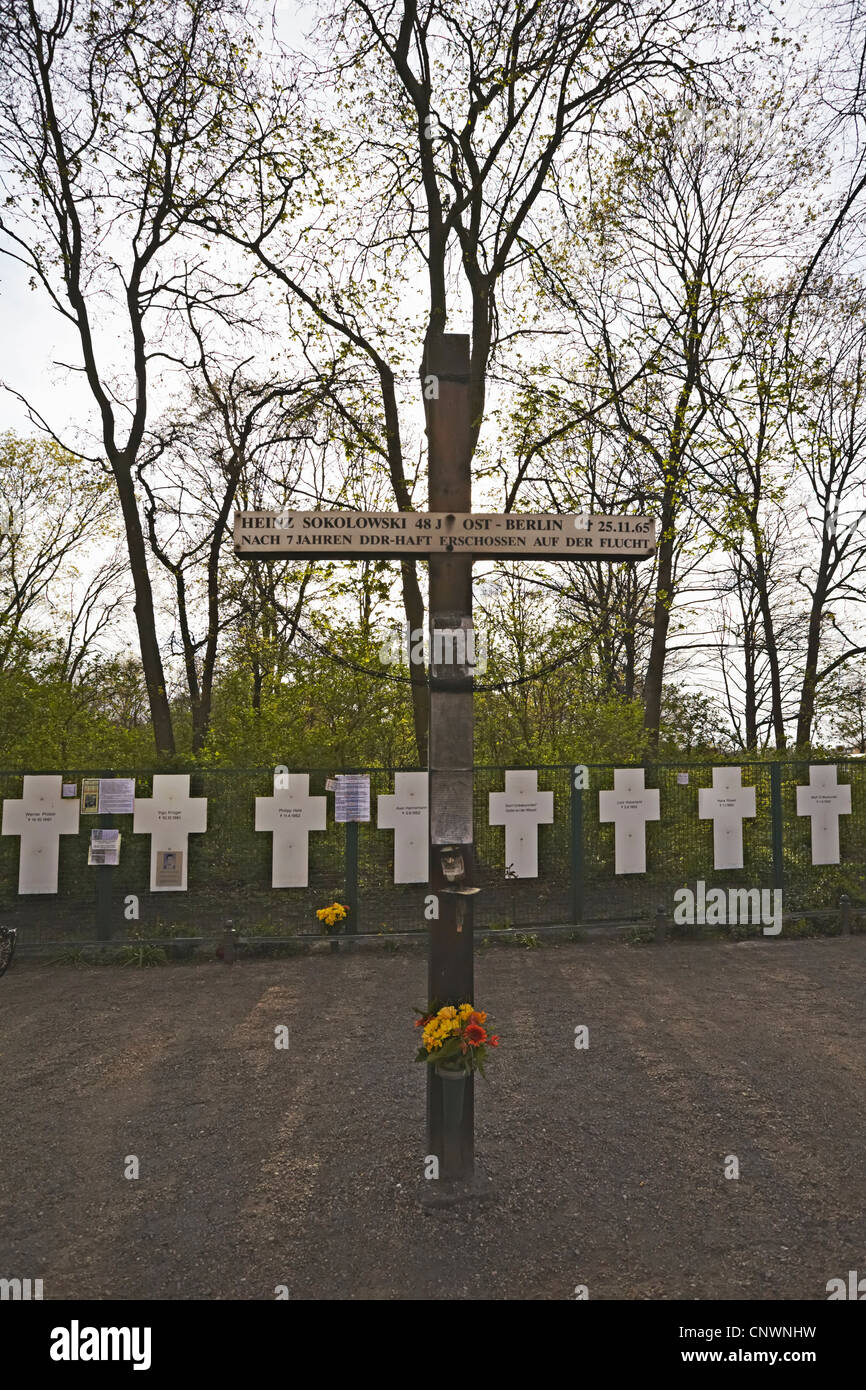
[
  {"x": 104, "y": 884},
  {"x": 352, "y": 859},
  {"x": 845, "y": 914},
  {"x": 229, "y": 943},
  {"x": 661, "y": 925},
  {"x": 576, "y": 849},
  {"x": 776, "y": 812}
]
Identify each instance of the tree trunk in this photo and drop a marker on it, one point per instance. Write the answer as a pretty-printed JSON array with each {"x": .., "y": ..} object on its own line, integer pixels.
[
  {"x": 770, "y": 646},
  {"x": 201, "y": 720},
  {"x": 151, "y": 659},
  {"x": 413, "y": 607},
  {"x": 661, "y": 623},
  {"x": 808, "y": 691},
  {"x": 751, "y": 697}
]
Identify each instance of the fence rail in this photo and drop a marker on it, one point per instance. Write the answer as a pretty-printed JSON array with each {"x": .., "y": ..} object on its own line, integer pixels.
[{"x": 229, "y": 874}]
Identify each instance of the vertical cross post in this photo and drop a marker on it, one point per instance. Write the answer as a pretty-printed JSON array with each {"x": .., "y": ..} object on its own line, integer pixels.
[
  {"x": 845, "y": 914},
  {"x": 353, "y": 852},
  {"x": 576, "y": 849},
  {"x": 104, "y": 883},
  {"x": 450, "y": 1128},
  {"x": 778, "y": 821}
]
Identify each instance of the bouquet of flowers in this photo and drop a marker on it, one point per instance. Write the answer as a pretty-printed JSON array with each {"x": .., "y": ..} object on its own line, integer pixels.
[
  {"x": 454, "y": 1037},
  {"x": 332, "y": 914}
]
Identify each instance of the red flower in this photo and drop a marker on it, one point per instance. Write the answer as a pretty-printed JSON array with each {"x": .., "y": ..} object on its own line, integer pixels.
[
  {"x": 494, "y": 1041},
  {"x": 475, "y": 1034}
]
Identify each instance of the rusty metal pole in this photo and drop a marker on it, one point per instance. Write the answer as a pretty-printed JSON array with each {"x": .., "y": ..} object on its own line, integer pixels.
[{"x": 450, "y": 1126}]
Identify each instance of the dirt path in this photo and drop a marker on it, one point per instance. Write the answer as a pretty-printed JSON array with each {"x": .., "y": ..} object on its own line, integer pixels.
[{"x": 261, "y": 1167}]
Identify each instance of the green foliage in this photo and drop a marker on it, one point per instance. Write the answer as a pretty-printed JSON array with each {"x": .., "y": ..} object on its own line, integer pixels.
[
  {"x": 48, "y": 721},
  {"x": 640, "y": 936},
  {"x": 803, "y": 926},
  {"x": 737, "y": 931},
  {"x": 692, "y": 725},
  {"x": 141, "y": 954},
  {"x": 72, "y": 956},
  {"x": 317, "y": 714}
]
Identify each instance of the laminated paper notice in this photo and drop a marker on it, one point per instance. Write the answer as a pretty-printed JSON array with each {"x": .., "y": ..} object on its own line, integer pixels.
[
  {"x": 169, "y": 868},
  {"x": 116, "y": 796},
  {"x": 90, "y": 796},
  {"x": 104, "y": 847},
  {"x": 352, "y": 799}
]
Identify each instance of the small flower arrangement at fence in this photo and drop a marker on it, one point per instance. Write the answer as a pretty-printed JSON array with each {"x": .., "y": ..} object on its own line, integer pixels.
[
  {"x": 332, "y": 914},
  {"x": 455, "y": 1038}
]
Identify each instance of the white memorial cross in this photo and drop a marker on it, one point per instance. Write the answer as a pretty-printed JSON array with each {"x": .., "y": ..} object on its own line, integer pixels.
[
  {"x": 630, "y": 805},
  {"x": 290, "y": 814},
  {"x": 169, "y": 818},
  {"x": 521, "y": 808},
  {"x": 726, "y": 804},
  {"x": 40, "y": 818},
  {"x": 407, "y": 814},
  {"x": 825, "y": 802}
]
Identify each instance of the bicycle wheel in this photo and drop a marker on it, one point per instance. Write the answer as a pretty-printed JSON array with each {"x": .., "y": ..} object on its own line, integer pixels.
[{"x": 7, "y": 948}]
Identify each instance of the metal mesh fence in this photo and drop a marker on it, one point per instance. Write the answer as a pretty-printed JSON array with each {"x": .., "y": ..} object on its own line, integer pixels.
[
  {"x": 229, "y": 870},
  {"x": 679, "y": 846}
]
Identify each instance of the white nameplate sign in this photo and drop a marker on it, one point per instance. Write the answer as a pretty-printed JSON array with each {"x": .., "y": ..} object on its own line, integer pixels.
[
  {"x": 407, "y": 814},
  {"x": 825, "y": 801},
  {"x": 290, "y": 814},
  {"x": 726, "y": 804},
  {"x": 630, "y": 805},
  {"x": 40, "y": 818},
  {"x": 169, "y": 818},
  {"x": 521, "y": 808}
]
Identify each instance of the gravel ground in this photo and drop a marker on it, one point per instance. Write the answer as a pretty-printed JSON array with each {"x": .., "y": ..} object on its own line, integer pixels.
[{"x": 302, "y": 1167}]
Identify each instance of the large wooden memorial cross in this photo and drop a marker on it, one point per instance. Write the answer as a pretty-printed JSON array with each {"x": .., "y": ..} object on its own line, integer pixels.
[{"x": 449, "y": 536}]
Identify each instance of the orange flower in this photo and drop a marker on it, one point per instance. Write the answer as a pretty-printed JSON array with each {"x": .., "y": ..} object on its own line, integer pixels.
[
  {"x": 477, "y": 1017},
  {"x": 475, "y": 1034}
]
